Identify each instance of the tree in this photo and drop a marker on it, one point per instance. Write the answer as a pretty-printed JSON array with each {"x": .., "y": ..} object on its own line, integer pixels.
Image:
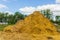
[
  {"x": 1, "y": 17},
  {"x": 6, "y": 17},
  {"x": 11, "y": 19},
  {"x": 58, "y": 19},
  {"x": 18, "y": 16},
  {"x": 47, "y": 13}
]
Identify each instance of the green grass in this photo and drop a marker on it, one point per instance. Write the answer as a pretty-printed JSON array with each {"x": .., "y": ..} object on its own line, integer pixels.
[
  {"x": 58, "y": 26},
  {"x": 2, "y": 26}
]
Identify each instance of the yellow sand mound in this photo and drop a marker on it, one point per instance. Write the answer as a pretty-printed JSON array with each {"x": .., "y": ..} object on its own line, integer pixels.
[{"x": 35, "y": 23}]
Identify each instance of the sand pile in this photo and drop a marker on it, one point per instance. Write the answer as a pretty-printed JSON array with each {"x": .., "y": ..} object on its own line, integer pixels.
[
  {"x": 33, "y": 27},
  {"x": 35, "y": 23}
]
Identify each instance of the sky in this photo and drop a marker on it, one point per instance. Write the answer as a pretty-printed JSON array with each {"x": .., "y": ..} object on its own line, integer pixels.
[{"x": 28, "y": 6}]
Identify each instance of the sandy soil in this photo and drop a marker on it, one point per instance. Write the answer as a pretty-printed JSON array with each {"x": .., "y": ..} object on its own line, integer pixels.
[{"x": 26, "y": 36}]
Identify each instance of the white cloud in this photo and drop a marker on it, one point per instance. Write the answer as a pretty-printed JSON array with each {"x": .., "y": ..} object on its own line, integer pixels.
[
  {"x": 9, "y": 12},
  {"x": 53, "y": 7},
  {"x": 3, "y": 6},
  {"x": 57, "y": 1},
  {"x": 27, "y": 9}
]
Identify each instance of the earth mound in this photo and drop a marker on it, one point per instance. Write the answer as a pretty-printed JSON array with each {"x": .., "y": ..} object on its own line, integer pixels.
[{"x": 35, "y": 23}]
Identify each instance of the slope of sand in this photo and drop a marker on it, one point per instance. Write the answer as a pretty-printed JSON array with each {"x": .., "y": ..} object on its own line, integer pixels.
[
  {"x": 34, "y": 23},
  {"x": 33, "y": 27},
  {"x": 26, "y": 36}
]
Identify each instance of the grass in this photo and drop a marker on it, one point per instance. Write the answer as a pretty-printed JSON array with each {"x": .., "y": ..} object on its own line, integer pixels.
[
  {"x": 58, "y": 26},
  {"x": 2, "y": 26}
]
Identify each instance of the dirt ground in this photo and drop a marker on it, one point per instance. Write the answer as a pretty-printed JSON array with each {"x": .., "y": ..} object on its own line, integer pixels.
[{"x": 26, "y": 36}]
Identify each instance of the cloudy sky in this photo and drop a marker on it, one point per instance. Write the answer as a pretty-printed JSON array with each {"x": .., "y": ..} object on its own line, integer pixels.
[{"x": 28, "y": 6}]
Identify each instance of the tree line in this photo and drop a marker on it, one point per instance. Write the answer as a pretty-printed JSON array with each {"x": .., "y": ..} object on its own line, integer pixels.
[
  {"x": 49, "y": 14},
  {"x": 11, "y": 18}
]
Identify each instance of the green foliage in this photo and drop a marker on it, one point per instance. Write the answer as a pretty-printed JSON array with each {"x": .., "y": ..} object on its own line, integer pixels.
[
  {"x": 2, "y": 27},
  {"x": 11, "y": 18},
  {"x": 47, "y": 13},
  {"x": 14, "y": 18},
  {"x": 57, "y": 20}
]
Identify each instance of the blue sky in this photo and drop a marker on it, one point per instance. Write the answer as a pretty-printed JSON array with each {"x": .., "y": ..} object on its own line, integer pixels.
[
  {"x": 25, "y": 5},
  {"x": 14, "y": 5}
]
